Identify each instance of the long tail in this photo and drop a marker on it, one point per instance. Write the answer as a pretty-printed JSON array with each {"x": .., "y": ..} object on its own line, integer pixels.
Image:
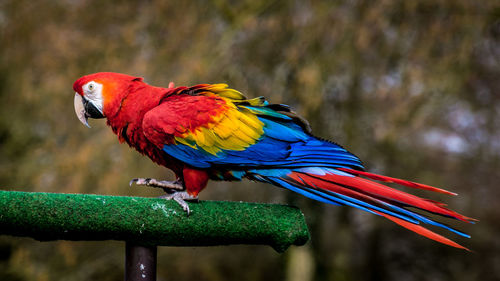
[{"x": 343, "y": 186}]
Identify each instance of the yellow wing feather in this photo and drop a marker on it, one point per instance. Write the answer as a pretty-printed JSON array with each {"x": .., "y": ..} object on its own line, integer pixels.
[
  {"x": 235, "y": 128},
  {"x": 224, "y": 129}
]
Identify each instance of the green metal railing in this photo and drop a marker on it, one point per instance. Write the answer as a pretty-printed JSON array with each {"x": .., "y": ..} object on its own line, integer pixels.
[{"x": 145, "y": 223}]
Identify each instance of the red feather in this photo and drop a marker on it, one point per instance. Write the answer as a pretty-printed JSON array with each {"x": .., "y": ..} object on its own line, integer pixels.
[
  {"x": 375, "y": 194},
  {"x": 423, "y": 231},
  {"x": 392, "y": 195},
  {"x": 395, "y": 180}
]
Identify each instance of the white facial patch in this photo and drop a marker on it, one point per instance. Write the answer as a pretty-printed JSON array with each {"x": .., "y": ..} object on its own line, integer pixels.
[{"x": 93, "y": 92}]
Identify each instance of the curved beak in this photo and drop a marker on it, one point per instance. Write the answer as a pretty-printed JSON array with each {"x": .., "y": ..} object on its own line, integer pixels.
[
  {"x": 85, "y": 108},
  {"x": 80, "y": 110}
]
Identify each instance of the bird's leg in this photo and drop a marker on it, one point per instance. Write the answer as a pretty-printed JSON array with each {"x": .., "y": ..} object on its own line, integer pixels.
[
  {"x": 180, "y": 198},
  {"x": 167, "y": 186},
  {"x": 175, "y": 189}
]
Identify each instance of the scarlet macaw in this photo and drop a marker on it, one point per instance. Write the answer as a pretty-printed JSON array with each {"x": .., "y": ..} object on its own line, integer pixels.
[{"x": 210, "y": 131}]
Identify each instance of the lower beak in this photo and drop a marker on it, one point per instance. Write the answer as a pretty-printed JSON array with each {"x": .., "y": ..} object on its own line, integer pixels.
[{"x": 80, "y": 110}]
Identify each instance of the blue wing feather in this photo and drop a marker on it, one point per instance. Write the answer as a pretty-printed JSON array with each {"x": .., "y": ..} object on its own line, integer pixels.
[{"x": 283, "y": 144}]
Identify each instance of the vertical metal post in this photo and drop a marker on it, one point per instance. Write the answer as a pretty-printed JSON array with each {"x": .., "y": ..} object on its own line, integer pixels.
[{"x": 140, "y": 262}]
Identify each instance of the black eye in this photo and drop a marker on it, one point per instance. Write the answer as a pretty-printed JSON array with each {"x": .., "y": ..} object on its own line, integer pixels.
[{"x": 91, "y": 87}]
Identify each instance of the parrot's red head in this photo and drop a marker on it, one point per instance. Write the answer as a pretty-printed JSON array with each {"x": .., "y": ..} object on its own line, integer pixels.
[{"x": 98, "y": 95}]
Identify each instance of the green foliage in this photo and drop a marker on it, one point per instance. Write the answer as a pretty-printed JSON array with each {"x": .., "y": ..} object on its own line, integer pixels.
[{"x": 409, "y": 86}]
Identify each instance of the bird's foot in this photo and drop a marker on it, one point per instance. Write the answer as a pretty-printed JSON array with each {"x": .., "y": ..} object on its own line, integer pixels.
[
  {"x": 180, "y": 198},
  {"x": 167, "y": 186}
]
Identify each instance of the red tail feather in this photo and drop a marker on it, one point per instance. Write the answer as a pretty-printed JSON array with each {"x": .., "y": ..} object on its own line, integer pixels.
[
  {"x": 394, "y": 196},
  {"x": 312, "y": 181},
  {"x": 395, "y": 180},
  {"x": 378, "y": 195},
  {"x": 423, "y": 231}
]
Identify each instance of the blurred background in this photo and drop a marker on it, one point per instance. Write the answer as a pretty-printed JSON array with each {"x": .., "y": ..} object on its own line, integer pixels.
[{"x": 411, "y": 87}]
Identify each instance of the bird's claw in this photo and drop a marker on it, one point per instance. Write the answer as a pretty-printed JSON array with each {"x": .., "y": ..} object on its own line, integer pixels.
[
  {"x": 139, "y": 181},
  {"x": 175, "y": 190},
  {"x": 180, "y": 198},
  {"x": 168, "y": 186}
]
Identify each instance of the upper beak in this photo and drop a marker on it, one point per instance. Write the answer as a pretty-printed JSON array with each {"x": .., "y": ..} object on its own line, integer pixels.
[
  {"x": 85, "y": 108},
  {"x": 80, "y": 110}
]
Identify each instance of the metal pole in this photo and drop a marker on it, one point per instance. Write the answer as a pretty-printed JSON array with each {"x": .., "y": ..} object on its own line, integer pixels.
[{"x": 140, "y": 262}]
